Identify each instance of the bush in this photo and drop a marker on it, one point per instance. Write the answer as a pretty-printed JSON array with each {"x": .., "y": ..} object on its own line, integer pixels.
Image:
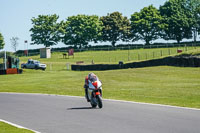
[{"x": 7, "y": 53}]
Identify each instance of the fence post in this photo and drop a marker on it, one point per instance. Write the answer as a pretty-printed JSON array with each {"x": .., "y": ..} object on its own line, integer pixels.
[
  {"x": 138, "y": 56},
  {"x": 153, "y": 55},
  {"x": 168, "y": 51},
  {"x": 185, "y": 47},
  {"x": 50, "y": 66},
  {"x": 129, "y": 53},
  {"x": 146, "y": 56},
  {"x": 161, "y": 53},
  {"x": 67, "y": 64}
]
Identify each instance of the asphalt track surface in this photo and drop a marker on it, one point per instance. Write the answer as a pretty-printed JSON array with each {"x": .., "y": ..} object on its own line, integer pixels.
[{"x": 63, "y": 114}]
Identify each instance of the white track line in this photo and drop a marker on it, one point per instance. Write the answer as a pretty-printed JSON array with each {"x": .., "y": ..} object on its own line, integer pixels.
[
  {"x": 113, "y": 100},
  {"x": 18, "y": 126}
]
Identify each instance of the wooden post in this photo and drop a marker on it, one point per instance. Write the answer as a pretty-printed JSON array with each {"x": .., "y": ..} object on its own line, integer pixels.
[
  {"x": 153, "y": 55},
  {"x": 129, "y": 53},
  {"x": 138, "y": 56},
  {"x": 169, "y": 51},
  {"x": 146, "y": 55}
]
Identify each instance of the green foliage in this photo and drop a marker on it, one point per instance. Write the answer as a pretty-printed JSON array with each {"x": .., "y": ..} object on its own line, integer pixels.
[
  {"x": 81, "y": 29},
  {"x": 198, "y": 19},
  {"x": 147, "y": 24},
  {"x": 115, "y": 27},
  {"x": 178, "y": 18},
  {"x": 45, "y": 30},
  {"x": 2, "y": 43},
  {"x": 192, "y": 6},
  {"x": 2, "y": 54}
]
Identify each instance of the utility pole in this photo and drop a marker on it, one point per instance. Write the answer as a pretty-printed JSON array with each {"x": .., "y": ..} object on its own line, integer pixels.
[{"x": 5, "y": 60}]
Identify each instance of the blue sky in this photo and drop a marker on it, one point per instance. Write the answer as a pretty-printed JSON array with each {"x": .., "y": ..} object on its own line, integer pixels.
[{"x": 15, "y": 15}]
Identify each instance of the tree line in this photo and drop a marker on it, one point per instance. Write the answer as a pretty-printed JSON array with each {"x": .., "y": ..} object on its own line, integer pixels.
[{"x": 175, "y": 20}]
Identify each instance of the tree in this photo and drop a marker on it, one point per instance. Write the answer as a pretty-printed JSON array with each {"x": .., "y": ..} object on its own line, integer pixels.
[
  {"x": 193, "y": 6},
  {"x": 198, "y": 19},
  {"x": 2, "y": 43},
  {"x": 45, "y": 30},
  {"x": 178, "y": 20},
  {"x": 14, "y": 43},
  {"x": 115, "y": 27},
  {"x": 81, "y": 29},
  {"x": 147, "y": 24}
]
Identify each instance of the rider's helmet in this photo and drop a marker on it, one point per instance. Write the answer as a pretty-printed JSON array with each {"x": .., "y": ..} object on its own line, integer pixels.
[{"x": 92, "y": 77}]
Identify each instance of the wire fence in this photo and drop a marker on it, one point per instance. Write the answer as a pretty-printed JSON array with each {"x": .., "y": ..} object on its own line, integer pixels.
[
  {"x": 125, "y": 53},
  {"x": 139, "y": 55}
]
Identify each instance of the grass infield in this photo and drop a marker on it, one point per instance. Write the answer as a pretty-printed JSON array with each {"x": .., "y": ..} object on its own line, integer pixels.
[{"x": 179, "y": 86}]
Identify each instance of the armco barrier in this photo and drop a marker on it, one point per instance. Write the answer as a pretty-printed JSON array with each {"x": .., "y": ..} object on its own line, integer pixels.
[{"x": 169, "y": 61}]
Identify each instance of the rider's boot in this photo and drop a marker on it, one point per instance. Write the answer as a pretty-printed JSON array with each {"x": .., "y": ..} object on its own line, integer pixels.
[{"x": 86, "y": 95}]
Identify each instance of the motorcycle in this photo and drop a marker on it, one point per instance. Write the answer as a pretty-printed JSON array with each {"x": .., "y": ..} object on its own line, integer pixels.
[{"x": 95, "y": 93}]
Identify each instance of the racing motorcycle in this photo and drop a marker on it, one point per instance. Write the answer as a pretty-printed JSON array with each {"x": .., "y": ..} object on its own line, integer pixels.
[{"x": 95, "y": 93}]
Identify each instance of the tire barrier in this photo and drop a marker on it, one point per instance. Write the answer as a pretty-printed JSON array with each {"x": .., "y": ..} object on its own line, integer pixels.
[{"x": 168, "y": 61}]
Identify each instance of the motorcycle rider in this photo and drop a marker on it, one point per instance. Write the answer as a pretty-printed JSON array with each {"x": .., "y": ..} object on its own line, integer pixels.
[{"x": 92, "y": 77}]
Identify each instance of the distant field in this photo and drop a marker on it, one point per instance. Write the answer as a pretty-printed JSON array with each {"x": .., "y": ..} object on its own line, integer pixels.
[
  {"x": 178, "y": 86},
  {"x": 109, "y": 57}
]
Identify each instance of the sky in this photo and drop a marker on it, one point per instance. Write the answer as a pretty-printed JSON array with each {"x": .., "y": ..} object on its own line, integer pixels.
[{"x": 16, "y": 15}]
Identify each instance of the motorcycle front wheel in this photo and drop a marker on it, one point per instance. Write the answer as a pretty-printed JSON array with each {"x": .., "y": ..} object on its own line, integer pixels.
[
  {"x": 99, "y": 101},
  {"x": 93, "y": 103}
]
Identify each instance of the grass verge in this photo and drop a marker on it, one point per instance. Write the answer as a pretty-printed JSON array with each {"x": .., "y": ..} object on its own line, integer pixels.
[{"x": 6, "y": 128}]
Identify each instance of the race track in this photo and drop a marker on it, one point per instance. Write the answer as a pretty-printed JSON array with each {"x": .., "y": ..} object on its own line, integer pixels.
[{"x": 63, "y": 114}]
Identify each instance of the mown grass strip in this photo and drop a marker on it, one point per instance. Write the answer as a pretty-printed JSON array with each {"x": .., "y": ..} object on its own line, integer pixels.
[{"x": 7, "y": 128}]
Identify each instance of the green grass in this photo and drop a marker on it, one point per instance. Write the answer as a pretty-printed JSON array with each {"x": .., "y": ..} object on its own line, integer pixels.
[
  {"x": 57, "y": 62},
  {"x": 163, "y": 85},
  {"x": 113, "y": 56},
  {"x": 178, "y": 86},
  {"x": 6, "y": 128}
]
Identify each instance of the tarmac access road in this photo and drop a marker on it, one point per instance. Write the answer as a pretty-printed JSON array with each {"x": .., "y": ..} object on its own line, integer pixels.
[{"x": 66, "y": 114}]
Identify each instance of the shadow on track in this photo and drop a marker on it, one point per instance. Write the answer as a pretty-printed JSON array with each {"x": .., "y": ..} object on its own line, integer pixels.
[{"x": 80, "y": 108}]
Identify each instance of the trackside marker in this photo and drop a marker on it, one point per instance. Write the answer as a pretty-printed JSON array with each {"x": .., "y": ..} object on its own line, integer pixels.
[{"x": 18, "y": 126}]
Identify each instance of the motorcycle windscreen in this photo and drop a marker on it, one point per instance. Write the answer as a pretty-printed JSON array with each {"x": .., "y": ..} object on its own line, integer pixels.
[{"x": 93, "y": 79}]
